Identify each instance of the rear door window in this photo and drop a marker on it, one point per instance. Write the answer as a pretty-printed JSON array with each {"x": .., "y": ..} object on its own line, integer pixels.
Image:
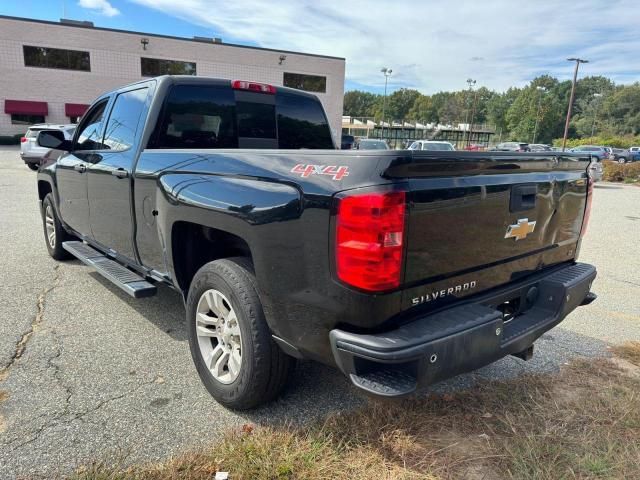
[
  {"x": 302, "y": 123},
  {"x": 197, "y": 116},
  {"x": 123, "y": 120}
]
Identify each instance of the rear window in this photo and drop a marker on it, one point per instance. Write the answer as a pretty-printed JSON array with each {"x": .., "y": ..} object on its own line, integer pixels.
[
  {"x": 302, "y": 123},
  {"x": 33, "y": 132},
  {"x": 256, "y": 120},
  {"x": 219, "y": 117},
  {"x": 437, "y": 147}
]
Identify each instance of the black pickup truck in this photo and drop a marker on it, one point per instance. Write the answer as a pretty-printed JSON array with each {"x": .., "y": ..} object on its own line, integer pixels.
[{"x": 401, "y": 268}]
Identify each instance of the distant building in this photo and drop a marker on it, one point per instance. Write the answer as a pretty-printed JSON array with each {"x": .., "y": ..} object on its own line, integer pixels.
[
  {"x": 398, "y": 133},
  {"x": 50, "y": 71}
]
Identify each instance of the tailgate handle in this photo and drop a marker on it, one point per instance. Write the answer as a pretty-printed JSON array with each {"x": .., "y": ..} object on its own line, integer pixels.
[{"x": 523, "y": 197}]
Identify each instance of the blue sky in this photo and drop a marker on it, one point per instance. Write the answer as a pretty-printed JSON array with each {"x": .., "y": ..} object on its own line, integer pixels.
[{"x": 430, "y": 45}]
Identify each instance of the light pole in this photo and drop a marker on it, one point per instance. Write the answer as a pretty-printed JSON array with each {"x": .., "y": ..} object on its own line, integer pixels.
[
  {"x": 387, "y": 73},
  {"x": 541, "y": 92},
  {"x": 471, "y": 82},
  {"x": 573, "y": 92},
  {"x": 595, "y": 115}
]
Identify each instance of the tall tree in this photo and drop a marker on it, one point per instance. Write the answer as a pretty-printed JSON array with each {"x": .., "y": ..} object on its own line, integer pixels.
[
  {"x": 423, "y": 110},
  {"x": 360, "y": 104}
]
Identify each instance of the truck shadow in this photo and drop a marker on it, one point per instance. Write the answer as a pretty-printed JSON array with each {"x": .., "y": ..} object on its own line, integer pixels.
[
  {"x": 165, "y": 310},
  {"x": 316, "y": 390}
]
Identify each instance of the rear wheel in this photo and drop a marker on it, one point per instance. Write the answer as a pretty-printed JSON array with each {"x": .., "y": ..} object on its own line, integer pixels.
[
  {"x": 231, "y": 345},
  {"x": 54, "y": 233},
  {"x": 622, "y": 160}
]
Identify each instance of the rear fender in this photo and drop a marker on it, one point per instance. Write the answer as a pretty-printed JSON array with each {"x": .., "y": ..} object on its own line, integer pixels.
[{"x": 246, "y": 208}]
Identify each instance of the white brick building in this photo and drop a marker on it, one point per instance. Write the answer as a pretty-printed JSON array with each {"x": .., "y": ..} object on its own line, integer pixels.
[{"x": 54, "y": 70}]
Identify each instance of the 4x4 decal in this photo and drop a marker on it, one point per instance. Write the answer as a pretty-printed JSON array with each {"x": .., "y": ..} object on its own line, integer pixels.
[{"x": 337, "y": 172}]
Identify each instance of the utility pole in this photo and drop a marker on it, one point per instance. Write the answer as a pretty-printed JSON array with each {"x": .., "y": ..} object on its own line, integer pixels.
[
  {"x": 387, "y": 73},
  {"x": 471, "y": 82},
  {"x": 573, "y": 92},
  {"x": 595, "y": 115},
  {"x": 541, "y": 91}
]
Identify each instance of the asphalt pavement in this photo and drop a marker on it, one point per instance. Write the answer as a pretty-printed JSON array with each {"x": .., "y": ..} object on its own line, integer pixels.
[{"x": 89, "y": 373}]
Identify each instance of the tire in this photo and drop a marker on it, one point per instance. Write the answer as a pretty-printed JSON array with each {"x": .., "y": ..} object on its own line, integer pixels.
[
  {"x": 622, "y": 160},
  {"x": 33, "y": 166},
  {"x": 51, "y": 223},
  {"x": 239, "y": 331}
]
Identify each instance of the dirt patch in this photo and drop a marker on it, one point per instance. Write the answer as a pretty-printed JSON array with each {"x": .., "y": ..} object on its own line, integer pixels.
[{"x": 629, "y": 351}]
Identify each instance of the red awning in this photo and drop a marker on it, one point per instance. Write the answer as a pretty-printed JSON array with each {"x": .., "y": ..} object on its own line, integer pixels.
[
  {"x": 25, "y": 107},
  {"x": 75, "y": 109}
]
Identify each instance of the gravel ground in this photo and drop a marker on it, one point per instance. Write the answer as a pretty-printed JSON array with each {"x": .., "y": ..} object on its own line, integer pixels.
[{"x": 99, "y": 375}]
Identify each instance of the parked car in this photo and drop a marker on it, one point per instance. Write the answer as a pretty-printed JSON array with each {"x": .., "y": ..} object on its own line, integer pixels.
[
  {"x": 596, "y": 151},
  {"x": 30, "y": 152},
  {"x": 539, "y": 147},
  {"x": 394, "y": 270},
  {"x": 474, "y": 147},
  {"x": 624, "y": 156},
  {"x": 432, "y": 145},
  {"x": 372, "y": 144},
  {"x": 634, "y": 149},
  {"x": 347, "y": 142},
  {"x": 512, "y": 147}
]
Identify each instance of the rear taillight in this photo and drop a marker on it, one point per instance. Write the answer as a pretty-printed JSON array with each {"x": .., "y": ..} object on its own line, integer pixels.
[
  {"x": 23, "y": 139},
  {"x": 253, "y": 86},
  {"x": 587, "y": 208},
  {"x": 369, "y": 240}
]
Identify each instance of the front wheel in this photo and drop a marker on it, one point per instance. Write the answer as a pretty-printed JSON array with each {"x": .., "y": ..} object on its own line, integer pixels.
[
  {"x": 54, "y": 233},
  {"x": 622, "y": 160},
  {"x": 231, "y": 345},
  {"x": 33, "y": 166}
]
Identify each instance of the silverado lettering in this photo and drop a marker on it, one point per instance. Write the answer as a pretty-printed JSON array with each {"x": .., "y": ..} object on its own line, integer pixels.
[
  {"x": 233, "y": 194},
  {"x": 443, "y": 293}
]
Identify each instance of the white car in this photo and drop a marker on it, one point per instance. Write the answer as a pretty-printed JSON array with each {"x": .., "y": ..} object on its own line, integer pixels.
[
  {"x": 432, "y": 145},
  {"x": 30, "y": 152}
]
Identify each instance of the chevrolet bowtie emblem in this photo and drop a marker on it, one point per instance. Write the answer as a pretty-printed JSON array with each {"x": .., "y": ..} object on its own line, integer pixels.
[{"x": 520, "y": 230}]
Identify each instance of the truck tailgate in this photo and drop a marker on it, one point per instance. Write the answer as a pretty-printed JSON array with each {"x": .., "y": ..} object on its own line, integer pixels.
[{"x": 475, "y": 223}]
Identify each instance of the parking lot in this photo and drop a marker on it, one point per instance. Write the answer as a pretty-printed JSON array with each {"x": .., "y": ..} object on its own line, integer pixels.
[{"x": 90, "y": 374}]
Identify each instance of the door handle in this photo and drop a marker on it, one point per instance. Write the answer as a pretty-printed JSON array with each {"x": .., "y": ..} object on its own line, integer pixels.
[
  {"x": 80, "y": 168},
  {"x": 120, "y": 173},
  {"x": 523, "y": 197}
]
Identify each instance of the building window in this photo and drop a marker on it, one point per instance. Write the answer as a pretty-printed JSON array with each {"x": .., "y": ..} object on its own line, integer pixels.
[
  {"x": 310, "y": 83},
  {"x": 45, "y": 57},
  {"x": 152, "y": 67},
  {"x": 21, "y": 119}
]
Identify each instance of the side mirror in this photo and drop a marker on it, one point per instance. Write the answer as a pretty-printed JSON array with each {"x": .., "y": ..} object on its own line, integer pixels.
[{"x": 53, "y": 139}]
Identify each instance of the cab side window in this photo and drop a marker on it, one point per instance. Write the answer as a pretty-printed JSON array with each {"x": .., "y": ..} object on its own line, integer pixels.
[{"x": 90, "y": 130}]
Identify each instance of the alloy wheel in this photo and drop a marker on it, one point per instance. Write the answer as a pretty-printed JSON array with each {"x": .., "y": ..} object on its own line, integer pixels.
[{"x": 219, "y": 337}]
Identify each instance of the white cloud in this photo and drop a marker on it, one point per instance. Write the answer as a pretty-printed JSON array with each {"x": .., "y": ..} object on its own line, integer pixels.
[
  {"x": 433, "y": 45},
  {"x": 101, "y": 6}
]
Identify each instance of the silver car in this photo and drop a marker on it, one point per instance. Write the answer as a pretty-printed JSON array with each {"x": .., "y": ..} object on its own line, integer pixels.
[{"x": 30, "y": 152}]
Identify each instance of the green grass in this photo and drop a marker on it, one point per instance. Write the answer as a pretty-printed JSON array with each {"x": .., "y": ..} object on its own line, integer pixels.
[{"x": 580, "y": 424}]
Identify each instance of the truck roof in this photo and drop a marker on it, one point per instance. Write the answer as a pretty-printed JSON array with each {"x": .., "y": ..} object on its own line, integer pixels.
[{"x": 201, "y": 80}]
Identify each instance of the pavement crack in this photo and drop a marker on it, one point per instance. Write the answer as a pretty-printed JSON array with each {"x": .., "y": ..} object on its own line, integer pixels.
[
  {"x": 60, "y": 420},
  {"x": 21, "y": 346}
]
